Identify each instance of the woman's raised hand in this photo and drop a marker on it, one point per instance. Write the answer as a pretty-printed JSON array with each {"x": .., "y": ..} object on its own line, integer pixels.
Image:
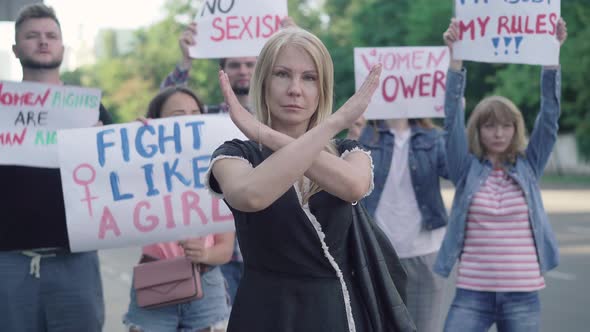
[
  {"x": 561, "y": 33},
  {"x": 356, "y": 105},
  {"x": 238, "y": 114},
  {"x": 186, "y": 41},
  {"x": 451, "y": 36}
]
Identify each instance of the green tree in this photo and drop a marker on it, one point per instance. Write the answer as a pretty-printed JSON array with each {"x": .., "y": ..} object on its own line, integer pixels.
[
  {"x": 360, "y": 23},
  {"x": 521, "y": 83},
  {"x": 110, "y": 44},
  {"x": 130, "y": 80}
]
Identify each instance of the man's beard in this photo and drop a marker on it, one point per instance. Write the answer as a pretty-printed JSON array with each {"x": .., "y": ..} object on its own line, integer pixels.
[
  {"x": 33, "y": 64},
  {"x": 241, "y": 91}
]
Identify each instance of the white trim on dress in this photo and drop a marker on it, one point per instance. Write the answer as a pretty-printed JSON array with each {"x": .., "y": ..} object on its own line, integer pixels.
[
  {"x": 322, "y": 236},
  {"x": 209, "y": 174},
  {"x": 368, "y": 153}
]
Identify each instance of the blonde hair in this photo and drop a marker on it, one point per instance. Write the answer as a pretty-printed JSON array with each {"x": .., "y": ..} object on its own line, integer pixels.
[
  {"x": 259, "y": 88},
  {"x": 307, "y": 42},
  {"x": 497, "y": 109}
]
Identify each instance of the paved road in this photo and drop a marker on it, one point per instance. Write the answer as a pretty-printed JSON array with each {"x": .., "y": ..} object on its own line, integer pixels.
[
  {"x": 116, "y": 267},
  {"x": 565, "y": 301}
]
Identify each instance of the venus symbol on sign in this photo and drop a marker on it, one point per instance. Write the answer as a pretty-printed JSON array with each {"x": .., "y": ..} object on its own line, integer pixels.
[{"x": 85, "y": 181}]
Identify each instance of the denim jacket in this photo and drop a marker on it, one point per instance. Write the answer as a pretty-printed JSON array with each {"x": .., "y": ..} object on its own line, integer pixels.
[
  {"x": 427, "y": 162},
  {"x": 467, "y": 172}
]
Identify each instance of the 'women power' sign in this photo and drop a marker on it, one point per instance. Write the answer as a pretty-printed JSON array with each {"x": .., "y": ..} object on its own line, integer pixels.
[{"x": 412, "y": 83}]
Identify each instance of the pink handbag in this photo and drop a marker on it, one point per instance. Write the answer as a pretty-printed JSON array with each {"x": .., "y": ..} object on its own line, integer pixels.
[{"x": 166, "y": 282}]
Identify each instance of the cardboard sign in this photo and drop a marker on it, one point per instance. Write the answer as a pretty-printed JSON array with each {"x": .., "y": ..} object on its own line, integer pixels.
[
  {"x": 31, "y": 114},
  {"x": 135, "y": 184},
  {"x": 508, "y": 31},
  {"x": 236, "y": 28},
  {"x": 412, "y": 83}
]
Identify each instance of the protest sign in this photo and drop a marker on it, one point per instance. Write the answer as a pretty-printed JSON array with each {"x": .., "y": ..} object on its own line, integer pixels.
[
  {"x": 236, "y": 28},
  {"x": 137, "y": 184},
  {"x": 30, "y": 115},
  {"x": 508, "y": 31},
  {"x": 412, "y": 83}
]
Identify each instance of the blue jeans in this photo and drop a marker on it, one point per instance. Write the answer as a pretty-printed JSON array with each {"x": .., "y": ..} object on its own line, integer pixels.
[
  {"x": 475, "y": 311},
  {"x": 232, "y": 272},
  {"x": 67, "y": 296},
  {"x": 191, "y": 316}
]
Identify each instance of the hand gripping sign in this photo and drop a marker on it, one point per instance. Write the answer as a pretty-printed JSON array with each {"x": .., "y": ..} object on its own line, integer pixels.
[
  {"x": 412, "y": 83},
  {"x": 236, "y": 28},
  {"x": 31, "y": 114},
  {"x": 135, "y": 184},
  {"x": 508, "y": 31}
]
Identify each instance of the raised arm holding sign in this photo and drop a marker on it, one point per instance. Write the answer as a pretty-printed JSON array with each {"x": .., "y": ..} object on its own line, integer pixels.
[{"x": 498, "y": 224}]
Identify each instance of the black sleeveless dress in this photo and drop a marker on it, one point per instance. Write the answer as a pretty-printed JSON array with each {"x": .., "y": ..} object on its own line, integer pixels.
[{"x": 296, "y": 264}]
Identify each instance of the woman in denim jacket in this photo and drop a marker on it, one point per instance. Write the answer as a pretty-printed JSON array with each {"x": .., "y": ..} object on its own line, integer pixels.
[
  {"x": 406, "y": 203},
  {"x": 498, "y": 228}
]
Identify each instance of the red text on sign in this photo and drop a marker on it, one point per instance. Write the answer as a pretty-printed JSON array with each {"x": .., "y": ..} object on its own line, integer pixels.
[
  {"x": 506, "y": 25},
  {"x": 27, "y": 98},
  {"x": 145, "y": 222},
  {"x": 413, "y": 60},
  {"x": 9, "y": 139},
  {"x": 244, "y": 27},
  {"x": 423, "y": 85},
  {"x": 542, "y": 24}
]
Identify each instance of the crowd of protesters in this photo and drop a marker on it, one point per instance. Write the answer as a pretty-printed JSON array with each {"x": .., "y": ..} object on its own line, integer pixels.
[{"x": 331, "y": 234}]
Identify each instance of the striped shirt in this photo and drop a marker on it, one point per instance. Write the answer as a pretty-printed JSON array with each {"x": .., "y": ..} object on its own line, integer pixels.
[{"x": 499, "y": 253}]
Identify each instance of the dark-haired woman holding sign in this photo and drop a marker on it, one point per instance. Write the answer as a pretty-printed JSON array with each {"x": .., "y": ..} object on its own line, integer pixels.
[{"x": 205, "y": 314}]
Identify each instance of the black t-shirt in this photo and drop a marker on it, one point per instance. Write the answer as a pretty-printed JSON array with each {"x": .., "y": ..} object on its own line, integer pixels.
[{"x": 32, "y": 212}]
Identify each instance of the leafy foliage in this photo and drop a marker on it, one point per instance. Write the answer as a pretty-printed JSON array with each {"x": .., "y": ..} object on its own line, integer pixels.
[
  {"x": 130, "y": 80},
  {"x": 521, "y": 83}
]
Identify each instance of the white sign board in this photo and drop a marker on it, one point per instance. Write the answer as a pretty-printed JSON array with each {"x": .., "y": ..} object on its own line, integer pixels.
[
  {"x": 236, "y": 28},
  {"x": 135, "y": 184},
  {"x": 508, "y": 31},
  {"x": 31, "y": 114},
  {"x": 412, "y": 83}
]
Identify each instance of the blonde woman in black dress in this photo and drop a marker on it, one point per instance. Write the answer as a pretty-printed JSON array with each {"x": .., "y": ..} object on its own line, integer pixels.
[{"x": 291, "y": 188}]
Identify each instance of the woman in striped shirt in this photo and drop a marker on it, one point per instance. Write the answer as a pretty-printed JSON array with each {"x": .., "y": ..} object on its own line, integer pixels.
[{"x": 498, "y": 228}]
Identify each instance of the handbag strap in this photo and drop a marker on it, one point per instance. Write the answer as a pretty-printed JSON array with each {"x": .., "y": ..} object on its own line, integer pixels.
[{"x": 199, "y": 267}]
